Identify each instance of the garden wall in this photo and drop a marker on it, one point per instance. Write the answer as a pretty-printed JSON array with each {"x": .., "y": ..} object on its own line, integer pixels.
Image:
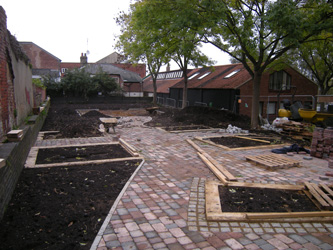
[
  {"x": 103, "y": 99},
  {"x": 16, "y": 91},
  {"x": 15, "y": 154}
]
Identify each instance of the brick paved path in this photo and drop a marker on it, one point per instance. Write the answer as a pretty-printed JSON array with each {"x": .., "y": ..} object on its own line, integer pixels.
[{"x": 163, "y": 205}]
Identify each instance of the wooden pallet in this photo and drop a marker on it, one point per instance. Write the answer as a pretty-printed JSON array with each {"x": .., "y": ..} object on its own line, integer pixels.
[
  {"x": 322, "y": 193},
  {"x": 273, "y": 161}
]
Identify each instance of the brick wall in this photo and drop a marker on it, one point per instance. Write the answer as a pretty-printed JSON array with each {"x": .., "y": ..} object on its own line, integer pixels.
[
  {"x": 304, "y": 87},
  {"x": 7, "y": 101},
  {"x": 15, "y": 154},
  {"x": 40, "y": 59}
]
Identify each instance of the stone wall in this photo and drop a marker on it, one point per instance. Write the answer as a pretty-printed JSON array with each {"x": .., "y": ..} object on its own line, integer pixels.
[{"x": 15, "y": 154}]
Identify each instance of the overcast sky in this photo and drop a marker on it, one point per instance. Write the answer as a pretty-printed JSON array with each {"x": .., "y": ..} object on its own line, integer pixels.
[{"x": 68, "y": 28}]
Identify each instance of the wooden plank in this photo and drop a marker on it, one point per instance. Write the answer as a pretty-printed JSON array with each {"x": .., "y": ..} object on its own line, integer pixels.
[
  {"x": 263, "y": 185},
  {"x": 76, "y": 163},
  {"x": 192, "y": 143},
  {"x": 212, "y": 143},
  {"x": 328, "y": 190},
  {"x": 129, "y": 148},
  {"x": 253, "y": 139},
  {"x": 211, "y": 166},
  {"x": 223, "y": 170},
  {"x": 323, "y": 195},
  {"x": 316, "y": 194},
  {"x": 288, "y": 215},
  {"x": 213, "y": 204},
  {"x": 80, "y": 145}
]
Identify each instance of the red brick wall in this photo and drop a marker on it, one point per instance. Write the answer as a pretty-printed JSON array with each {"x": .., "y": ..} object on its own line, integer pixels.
[
  {"x": 40, "y": 59},
  {"x": 304, "y": 87},
  {"x": 138, "y": 68},
  {"x": 7, "y": 101}
]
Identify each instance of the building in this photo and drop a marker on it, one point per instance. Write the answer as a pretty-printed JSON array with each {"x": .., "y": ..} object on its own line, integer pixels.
[
  {"x": 230, "y": 87},
  {"x": 43, "y": 62},
  {"x": 130, "y": 82}
]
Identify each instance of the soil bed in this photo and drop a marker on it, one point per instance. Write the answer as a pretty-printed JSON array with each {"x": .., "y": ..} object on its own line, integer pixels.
[
  {"x": 185, "y": 127},
  {"x": 194, "y": 115},
  {"x": 235, "y": 142},
  {"x": 241, "y": 199},
  {"x": 62, "y": 207},
  {"x": 85, "y": 153}
]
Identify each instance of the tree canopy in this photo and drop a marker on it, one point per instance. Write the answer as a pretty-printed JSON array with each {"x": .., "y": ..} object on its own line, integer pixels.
[
  {"x": 154, "y": 31},
  {"x": 256, "y": 33}
]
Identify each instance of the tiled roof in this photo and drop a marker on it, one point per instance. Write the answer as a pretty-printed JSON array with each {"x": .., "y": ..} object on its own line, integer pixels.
[
  {"x": 126, "y": 75},
  {"x": 217, "y": 77},
  {"x": 229, "y": 76},
  {"x": 163, "y": 83}
]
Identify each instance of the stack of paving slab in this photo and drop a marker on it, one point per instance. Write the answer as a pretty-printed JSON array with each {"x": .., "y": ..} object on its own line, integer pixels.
[{"x": 322, "y": 143}]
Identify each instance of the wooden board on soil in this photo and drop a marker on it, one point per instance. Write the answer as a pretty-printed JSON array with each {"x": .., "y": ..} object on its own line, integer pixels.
[
  {"x": 80, "y": 154},
  {"x": 240, "y": 142},
  {"x": 263, "y": 202},
  {"x": 62, "y": 207}
]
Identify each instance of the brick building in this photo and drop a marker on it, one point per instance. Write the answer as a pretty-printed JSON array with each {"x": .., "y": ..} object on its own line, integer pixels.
[
  {"x": 230, "y": 87},
  {"x": 43, "y": 62}
]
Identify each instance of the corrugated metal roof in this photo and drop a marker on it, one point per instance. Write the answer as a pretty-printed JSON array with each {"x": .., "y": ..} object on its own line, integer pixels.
[{"x": 126, "y": 75}]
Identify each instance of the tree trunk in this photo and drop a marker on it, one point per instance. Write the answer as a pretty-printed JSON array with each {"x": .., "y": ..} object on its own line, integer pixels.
[
  {"x": 155, "y": 92},
  {"x": 185, "y": 91},
  {"x": 255, "y": 101}
]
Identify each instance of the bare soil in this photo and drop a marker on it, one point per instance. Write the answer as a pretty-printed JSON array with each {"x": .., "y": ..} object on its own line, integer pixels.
[
  {"x": 85, "y": 153},
  {"x": 62, "y": 207},
  {"x": 248, "y": 199}
]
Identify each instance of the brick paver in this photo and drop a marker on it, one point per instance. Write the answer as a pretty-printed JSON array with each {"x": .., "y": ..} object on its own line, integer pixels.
[{"x": 164, "y": 205}]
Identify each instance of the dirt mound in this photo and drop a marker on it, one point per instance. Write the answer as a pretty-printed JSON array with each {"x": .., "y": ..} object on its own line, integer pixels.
[
  {"x": 94, "y": 113},
  {"x": 199, "y": 116}
]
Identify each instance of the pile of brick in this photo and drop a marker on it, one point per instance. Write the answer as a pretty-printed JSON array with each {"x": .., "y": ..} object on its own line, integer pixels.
[{"x": 322, "y": 143}]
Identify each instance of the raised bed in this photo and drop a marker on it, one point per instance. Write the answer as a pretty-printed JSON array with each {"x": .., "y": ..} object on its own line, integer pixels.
[
  {"x": 237, "y": 142},
  {"x": 71, "y": 155},
  {"x": 289, "y": 203}
]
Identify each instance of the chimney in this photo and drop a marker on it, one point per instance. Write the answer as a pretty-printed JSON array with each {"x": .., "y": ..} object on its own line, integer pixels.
[
  {"x": 168, "y": 67},
  {"x": 83, "y": 59}
]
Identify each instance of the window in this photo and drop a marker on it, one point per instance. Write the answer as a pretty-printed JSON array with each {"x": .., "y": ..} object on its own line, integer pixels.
[
  {"x": 232, "y": 73},
  {"x": 279, "y": 80},
  {"x": 271, "y": 108},
  {"x": 192, "y": 76},
  {"x": 204, "y": 75},
  {"x": 63, "y": 70}
]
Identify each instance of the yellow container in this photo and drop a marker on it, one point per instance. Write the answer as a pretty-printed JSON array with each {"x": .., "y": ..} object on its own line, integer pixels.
[
  {"x": 284, "y": 113},
  {"x": 307, "y": 114}
]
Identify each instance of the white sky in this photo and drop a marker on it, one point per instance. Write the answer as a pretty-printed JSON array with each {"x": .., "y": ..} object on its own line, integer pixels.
[{"x": 68, "y": 28}]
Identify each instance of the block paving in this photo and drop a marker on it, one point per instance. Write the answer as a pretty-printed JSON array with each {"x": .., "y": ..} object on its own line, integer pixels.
[{"x": 163, "y": 206}]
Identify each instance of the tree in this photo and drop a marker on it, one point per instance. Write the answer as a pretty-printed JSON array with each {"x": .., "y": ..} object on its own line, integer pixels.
[
  {"x": 157, "y": 31},
  {"x": 104, "y": 82},
  {"x": 141, "y": 42},
  {"x": 316, "y": 61},
  {"x": 256, "y": 33},
  {"x": 81, "y": 83}
]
